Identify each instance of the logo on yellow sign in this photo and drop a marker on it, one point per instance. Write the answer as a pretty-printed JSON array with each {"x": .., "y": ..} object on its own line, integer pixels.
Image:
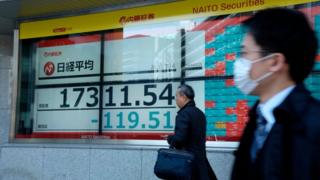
[
  {"x": 136, "y": 18},
  {"x": 61, "y": 29}
]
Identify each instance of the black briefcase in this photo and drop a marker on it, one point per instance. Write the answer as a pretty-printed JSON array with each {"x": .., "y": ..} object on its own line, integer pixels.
[{"x": 174, "y": 164}]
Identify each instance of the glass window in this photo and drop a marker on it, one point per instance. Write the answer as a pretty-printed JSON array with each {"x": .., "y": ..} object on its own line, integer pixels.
[{"x": 120, "y": 84}]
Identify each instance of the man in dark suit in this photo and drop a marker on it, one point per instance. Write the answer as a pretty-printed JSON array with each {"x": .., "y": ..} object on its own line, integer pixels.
[
  {"x": 190, "y": 132},
  {"x": 282, "y": 137}
]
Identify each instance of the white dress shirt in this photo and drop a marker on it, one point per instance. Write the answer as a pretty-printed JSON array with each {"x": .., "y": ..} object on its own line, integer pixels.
[{"x": 268, "y": 107}]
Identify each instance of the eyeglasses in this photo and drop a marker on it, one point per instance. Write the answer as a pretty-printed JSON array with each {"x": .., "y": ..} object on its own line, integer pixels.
[{"x": 264, "y": 52}]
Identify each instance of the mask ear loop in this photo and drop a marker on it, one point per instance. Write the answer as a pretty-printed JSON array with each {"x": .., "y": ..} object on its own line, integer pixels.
[
  {"x": 267, "y": 74},
  {"x": 263, "y": 77}
]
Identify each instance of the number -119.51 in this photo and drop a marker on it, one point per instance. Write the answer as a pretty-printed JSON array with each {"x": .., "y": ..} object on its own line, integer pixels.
[{"x": 132, "y": 121}]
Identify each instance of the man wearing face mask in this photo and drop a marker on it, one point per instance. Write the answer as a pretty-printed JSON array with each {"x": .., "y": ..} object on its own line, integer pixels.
[{"x": 282, "y": 137}]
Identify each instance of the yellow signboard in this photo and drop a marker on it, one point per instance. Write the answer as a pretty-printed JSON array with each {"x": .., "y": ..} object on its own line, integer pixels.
[{"x": 162, "y": 12}]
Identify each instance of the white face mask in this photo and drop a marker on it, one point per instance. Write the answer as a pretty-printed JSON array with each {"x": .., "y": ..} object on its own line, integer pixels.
[{"x": 241, "y": 71}]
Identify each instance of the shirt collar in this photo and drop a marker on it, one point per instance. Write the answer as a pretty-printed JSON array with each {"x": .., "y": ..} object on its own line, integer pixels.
[{"x": 268, "y": 107}]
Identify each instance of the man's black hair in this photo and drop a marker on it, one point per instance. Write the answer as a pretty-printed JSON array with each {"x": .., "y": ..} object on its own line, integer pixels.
[
  {"x": 186, "y": 90},
  {"x": 286, "y": 31}
]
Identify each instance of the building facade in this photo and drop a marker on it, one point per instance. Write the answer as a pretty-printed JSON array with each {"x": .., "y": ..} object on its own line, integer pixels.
[{"x": 92, "y": 96}]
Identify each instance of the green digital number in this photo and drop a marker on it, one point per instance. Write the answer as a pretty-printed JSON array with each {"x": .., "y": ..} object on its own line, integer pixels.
[
  {"x": 133, "y": 118},
  {"x": 153, "y": 118}
]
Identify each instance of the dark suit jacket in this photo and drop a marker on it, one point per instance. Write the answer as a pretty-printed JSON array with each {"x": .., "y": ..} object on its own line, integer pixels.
[
  {"x": 292, "y": 148},
  {"x": 190, "y": 134}
]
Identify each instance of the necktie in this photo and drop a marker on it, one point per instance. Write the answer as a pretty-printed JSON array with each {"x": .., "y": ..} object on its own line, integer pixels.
[{"x": 260, "y": 135}]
